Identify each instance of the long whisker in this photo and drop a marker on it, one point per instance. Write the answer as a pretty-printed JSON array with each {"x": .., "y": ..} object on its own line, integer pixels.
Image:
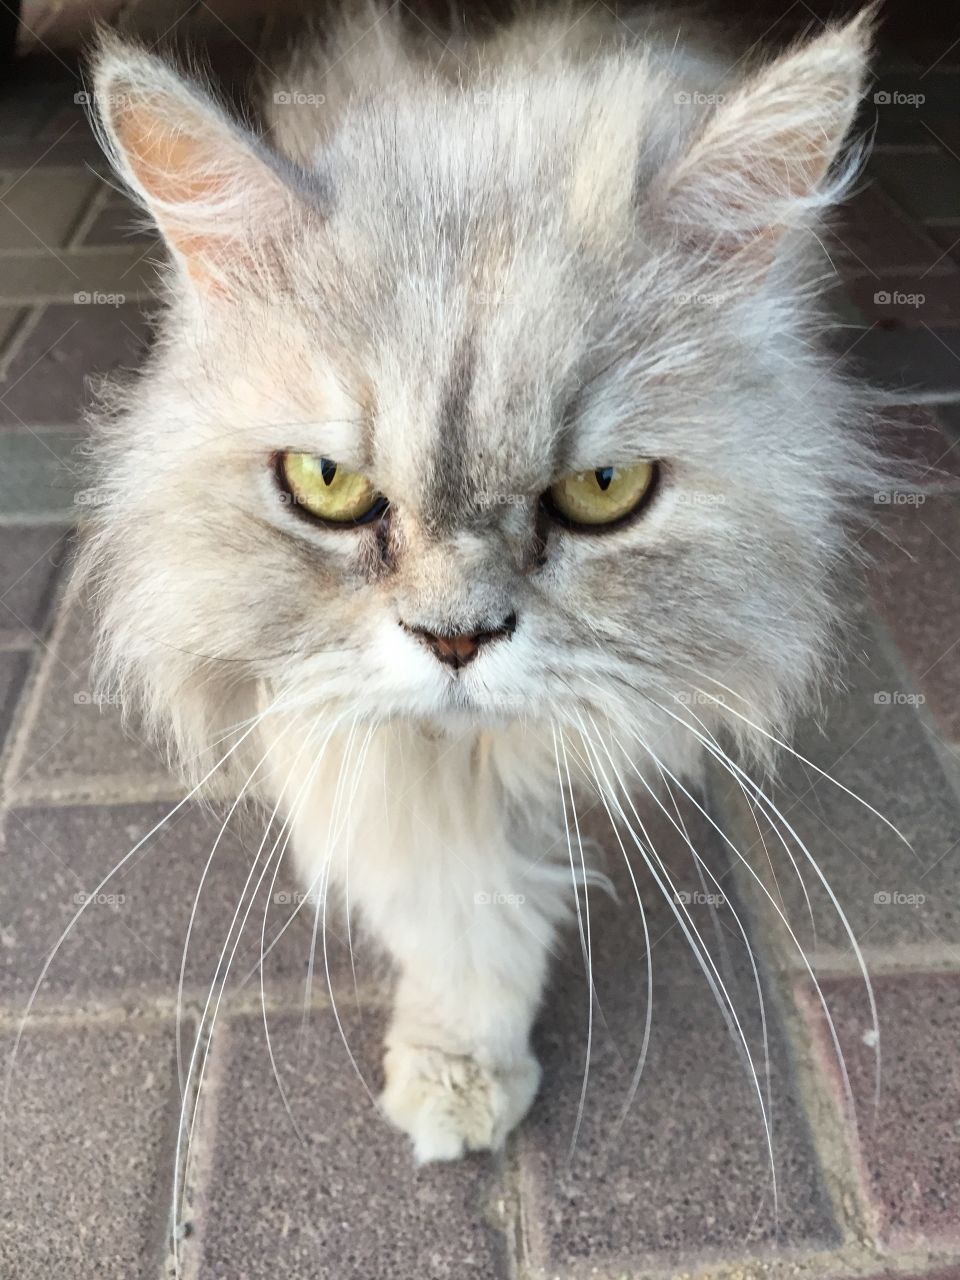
[
  {"x": 751, "y": 803},
  {"x": 288, "y": 824},
  {"x": 332, "y": 836},
  {"x": 583, "y": 927},
  {"x": 688, "y": 926},
  {"x": 91, "y": 898},
  {"x": 365, "y": 747},
  {"x": 766, "y": 803},
  {"x": 223, "y": 983},
  {"x": 193, "y": 911},
  {"x": 706, "y": 872},
  {"x": 648, "y": 953},
  {"x": 803, "y": 759}
]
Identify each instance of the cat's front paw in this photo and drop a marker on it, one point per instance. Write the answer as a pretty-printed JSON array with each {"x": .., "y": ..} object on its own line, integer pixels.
[{"x": 450, "y": 1104}]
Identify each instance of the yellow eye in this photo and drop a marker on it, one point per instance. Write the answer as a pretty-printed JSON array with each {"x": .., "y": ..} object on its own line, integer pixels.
[
  {"x": 601, "y": 497},
  {"x": 327, "y": 490}
]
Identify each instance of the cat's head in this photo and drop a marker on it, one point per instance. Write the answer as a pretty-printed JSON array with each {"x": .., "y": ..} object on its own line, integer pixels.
[{"x": 506, "y": 406}]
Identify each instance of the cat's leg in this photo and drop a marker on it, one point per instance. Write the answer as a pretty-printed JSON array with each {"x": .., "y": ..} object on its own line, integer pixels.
[
  {"x": 467, "y": 909},
  {"x": 458, "y": 1066}
]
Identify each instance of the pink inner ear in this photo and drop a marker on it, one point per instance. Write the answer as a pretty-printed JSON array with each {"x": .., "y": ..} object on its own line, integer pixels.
[
  {"x": 175, "y": 170},
  {"x": 200, "y": 181},
  {"x": 760, "y": 159}
]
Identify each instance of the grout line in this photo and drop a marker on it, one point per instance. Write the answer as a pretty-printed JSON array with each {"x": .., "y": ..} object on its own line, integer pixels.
[
  {"x": 21, "y": 333},
  {"x": 946, "y": 754},
  {"x": 827, "y": 1125},
  {"x": 87, "y": 217},
  {"x": 157, "y": 1006}
]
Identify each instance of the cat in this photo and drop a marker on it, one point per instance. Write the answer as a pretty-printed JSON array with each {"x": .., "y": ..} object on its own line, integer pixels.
[{"x": 486, "y": 451}]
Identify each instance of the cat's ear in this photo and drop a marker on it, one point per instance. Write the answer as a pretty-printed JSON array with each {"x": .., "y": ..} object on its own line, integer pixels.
[
  {"x": 764, "y": 159},
  {"x": 213, "y": 191}
]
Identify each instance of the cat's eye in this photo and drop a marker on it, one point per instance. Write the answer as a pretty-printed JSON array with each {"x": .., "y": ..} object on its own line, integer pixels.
[
  {"x": 328, "y": 491},
  {"x": 591, "y": 499}
]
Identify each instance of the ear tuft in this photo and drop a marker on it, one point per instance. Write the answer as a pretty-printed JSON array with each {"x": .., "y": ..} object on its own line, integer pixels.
[
  {"x": 761, "y": 161},
  {"x": 208, "y": 184}
]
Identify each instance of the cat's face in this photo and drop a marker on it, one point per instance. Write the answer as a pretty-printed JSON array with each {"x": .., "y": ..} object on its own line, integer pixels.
[{"x": 582, "y": 454}]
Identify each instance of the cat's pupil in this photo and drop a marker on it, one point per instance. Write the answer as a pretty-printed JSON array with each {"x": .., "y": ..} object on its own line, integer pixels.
[
  {"x": 328, "y": 470},
  {"x": 604, "y": 477}
]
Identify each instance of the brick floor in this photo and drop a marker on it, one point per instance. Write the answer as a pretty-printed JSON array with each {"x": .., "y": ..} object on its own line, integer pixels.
[
  {"x": 683, "y": 1187},
  {"x": 910, "y": 1155}
]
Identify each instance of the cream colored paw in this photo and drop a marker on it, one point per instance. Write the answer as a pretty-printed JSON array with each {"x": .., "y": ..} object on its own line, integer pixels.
[{"x": 452, "y": 1104}]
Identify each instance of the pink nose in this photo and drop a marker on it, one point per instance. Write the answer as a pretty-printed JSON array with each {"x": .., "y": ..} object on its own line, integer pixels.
[{"x": 458, "y": 648}]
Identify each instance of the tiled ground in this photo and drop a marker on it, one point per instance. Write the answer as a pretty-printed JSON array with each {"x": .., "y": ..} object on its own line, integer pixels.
[{"x": 296, "y": 1176}]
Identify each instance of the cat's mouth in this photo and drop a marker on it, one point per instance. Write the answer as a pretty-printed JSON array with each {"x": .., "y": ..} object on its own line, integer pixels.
[{"x": 470, "y": 701}]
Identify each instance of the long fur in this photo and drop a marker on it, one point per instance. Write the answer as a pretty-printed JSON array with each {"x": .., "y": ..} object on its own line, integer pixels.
[{"x": 466, "y": 270}]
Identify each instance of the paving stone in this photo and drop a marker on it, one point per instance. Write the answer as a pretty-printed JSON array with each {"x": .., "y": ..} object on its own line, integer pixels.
[
  {"x": 924, "y": 183},
  {"x": 131, "y": 935},
  {"x": 908, "y": 300},
  {"x": 913, "y": 436},
  {"x": 30, "y": 95},
  {"x": 70, "y": 115},
  {"x": 928, "y": 97},
  {"x": 41, "y": 207},
  {"x": 13, "y": 674},
  {"x": 948, "y": 1273},
  {"x": 946, "y": 233},
  {"x": 76, "y": 739},
  {"x": 107, "y": 271},
  {"x": 343, "y": 1199},
  {"x": 949, "y": 415},
  {"x": 688, "y": 1172},
  {"x": 909, "y": 360},
  {"x": 910, "y": 1151},
  {"x": 873, "y": 235},
  {"x": 869, "y": 739},
  {"x": 40, "y": 475},
  {"x": 45, "y": 382},
  {"x": 30, "y": 562},
  {"x": 916, "y": 590},
  {"x": 89, "y": 1143},
  {"x": 75, "y": 150},
  {"x": 10, "y": 320},
  {"x": 119, "y": 222}
]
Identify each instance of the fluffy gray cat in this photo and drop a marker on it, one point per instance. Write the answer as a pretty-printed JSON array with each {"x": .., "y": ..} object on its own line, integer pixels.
[{"x": 486, "y": 451}]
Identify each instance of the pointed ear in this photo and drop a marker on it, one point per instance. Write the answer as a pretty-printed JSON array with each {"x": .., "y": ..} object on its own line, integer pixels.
[
  {"x": 762, "y": 160},
  {"x": 212, "y": 189}
]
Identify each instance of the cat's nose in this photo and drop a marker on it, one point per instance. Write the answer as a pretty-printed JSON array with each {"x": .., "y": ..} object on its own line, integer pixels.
[{"x": 457, "y": 648}]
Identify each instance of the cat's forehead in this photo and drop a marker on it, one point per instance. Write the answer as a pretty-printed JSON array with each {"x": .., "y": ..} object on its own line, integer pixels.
[
  {"x": 465, "y": 366},
  {"x": 463, "y": 431}
]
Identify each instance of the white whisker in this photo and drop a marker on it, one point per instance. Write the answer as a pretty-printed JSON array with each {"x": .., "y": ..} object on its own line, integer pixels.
[{"x": 583, "y": 925}]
